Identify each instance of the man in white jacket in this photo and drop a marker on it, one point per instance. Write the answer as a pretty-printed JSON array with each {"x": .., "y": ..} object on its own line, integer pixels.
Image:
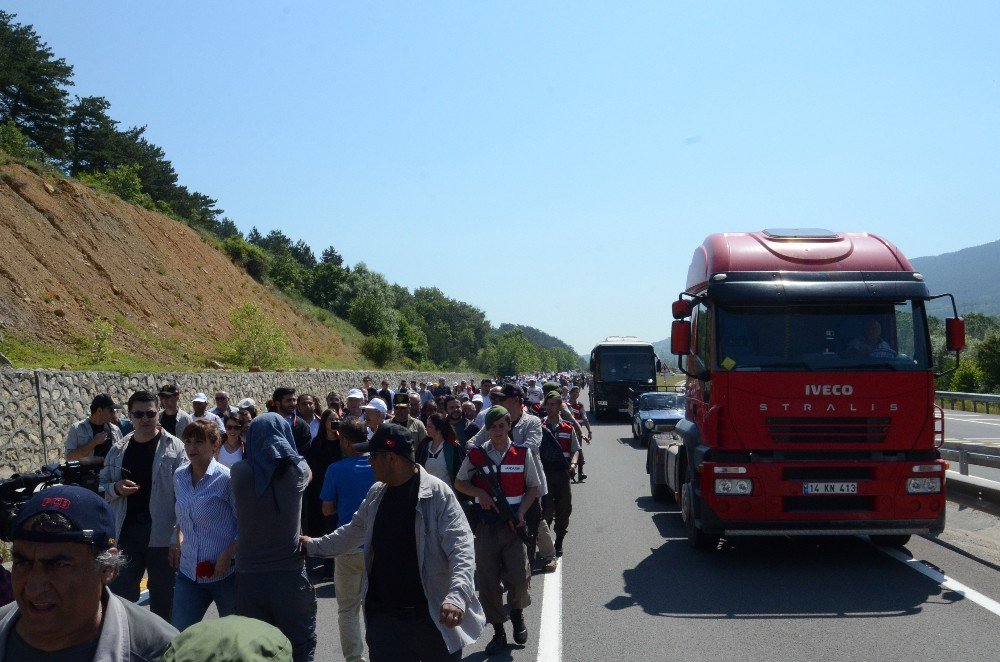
[{"x": 420, "y": 597}]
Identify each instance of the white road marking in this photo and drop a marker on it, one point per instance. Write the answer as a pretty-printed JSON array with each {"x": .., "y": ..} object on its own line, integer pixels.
[
  {"x": 944, "y": 580},
  {"x": 550, "y": 629}
]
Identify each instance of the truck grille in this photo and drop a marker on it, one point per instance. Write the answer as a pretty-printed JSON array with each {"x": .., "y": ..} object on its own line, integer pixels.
[
  {"x": 796, "y": 430},
  {"x": 828, "y": 473}
]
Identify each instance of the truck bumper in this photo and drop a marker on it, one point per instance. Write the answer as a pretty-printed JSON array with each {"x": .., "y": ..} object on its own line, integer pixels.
[{"x": 779, "y": 504}]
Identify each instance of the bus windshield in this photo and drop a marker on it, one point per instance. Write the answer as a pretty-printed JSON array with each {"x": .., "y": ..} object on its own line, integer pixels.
[
  {"x": 625, "y": 364},
  {"x": 829, "y": 337}
]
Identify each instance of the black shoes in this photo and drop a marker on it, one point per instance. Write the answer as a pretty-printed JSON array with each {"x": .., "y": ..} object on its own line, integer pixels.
[
  {"x": 499, "y": 640},
  {"x": 520, "y": 629}
]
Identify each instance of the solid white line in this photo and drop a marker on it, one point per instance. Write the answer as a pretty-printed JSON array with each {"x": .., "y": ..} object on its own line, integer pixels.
[
  {"x": 944, "y": 580},
  {"x": 550, "y": 629}
]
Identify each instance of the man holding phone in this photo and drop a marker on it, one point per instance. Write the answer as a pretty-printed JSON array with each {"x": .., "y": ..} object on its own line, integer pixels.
[{"x": 138, "y": 484}]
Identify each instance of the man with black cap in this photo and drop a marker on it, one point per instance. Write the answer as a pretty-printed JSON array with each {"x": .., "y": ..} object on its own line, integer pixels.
[
  {"x": 501, "y": 556},
  {"x": 95, "y": 434},
  {"x": 401, "y": 416},
  {"x": 172, "y": 417},
  {"x": 420, "y": 600},
  {"x": 64, "y": 556}
]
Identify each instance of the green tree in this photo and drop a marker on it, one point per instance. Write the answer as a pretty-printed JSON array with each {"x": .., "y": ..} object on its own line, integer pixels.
[
  {"x": 15, "y": 143},
  {"x": 287, "y": 274},
  {"x": 256, "y": 340},
  {"x": 93, "y": 137},
  {"x": 514, "y": 354},
  {"x": 32, "y": 86},
  {"x": 988, "y": 361},
  {"x": 123, "y": 181},
  {"x": 382, "y": 349},
  {"x": 968, "y": 378},
  {"x": 330, "y": 286},
  {"x": 252, "y": 258},
  {"x": 331, "y": 256}
]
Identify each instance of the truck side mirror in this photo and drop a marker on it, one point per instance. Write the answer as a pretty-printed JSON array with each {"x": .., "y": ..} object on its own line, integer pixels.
[
  {"x": 954, "y": 331},
  {"x": 592, "y": 362},
  {"x": 680, "y": 337},
  {"x": 681, "y": 308}
]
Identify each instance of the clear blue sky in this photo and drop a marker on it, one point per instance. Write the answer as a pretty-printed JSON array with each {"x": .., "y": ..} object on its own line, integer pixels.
[{"x": 556, "y": 164}]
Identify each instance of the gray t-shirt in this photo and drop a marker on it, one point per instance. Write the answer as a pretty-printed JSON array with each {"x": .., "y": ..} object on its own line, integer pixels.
[{"x": 268, "y": 526}]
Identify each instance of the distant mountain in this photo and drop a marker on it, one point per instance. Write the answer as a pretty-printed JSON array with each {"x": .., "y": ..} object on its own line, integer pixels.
[
  {"x": 536, "y": 337},
  {"x": 969, "y": 274},
  {"x": 662, "y": 349}
]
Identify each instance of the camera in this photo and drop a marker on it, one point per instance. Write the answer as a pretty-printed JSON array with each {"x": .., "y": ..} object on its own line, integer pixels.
[{"x": 17, "y": 489}]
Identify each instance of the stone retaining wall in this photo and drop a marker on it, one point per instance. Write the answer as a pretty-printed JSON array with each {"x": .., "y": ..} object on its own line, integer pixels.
[{"x": 37, "y": 407}]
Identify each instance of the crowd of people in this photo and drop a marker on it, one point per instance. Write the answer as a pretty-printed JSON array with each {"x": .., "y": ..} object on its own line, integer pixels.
[{"x": 424, "y": 504}]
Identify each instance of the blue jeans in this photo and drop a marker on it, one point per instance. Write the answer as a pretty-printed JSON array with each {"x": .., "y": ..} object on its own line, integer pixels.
[{"x": 191, "y": 599}]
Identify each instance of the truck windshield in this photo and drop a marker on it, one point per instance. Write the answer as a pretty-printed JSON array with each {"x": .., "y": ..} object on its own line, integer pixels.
[
  {"x": 625, "y": 364},
  {"x": 829, "y": 337}
]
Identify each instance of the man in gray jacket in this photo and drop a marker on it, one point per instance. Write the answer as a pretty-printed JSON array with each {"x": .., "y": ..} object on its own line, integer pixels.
[
  {"x": 138, "y": 482},
  {"x": 420, "y": 598}
]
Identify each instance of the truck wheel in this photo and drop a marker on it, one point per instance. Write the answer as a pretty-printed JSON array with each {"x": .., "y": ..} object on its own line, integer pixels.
[
  {"x": 644, "y": 439},
  {"x": 635, "y": 435},
  {"x": 658, "y": 491},
  {"x": 696, "y": 537},
  {"x": 899, "y": 540}
]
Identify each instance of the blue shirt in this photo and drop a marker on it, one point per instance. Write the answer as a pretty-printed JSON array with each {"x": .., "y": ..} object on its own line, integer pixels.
[
  {"x": 347, "y": 483},
  {"x": 206, "y": 514}
]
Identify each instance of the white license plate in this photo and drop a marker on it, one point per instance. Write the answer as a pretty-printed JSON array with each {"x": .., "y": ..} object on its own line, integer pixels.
[{"x": 829, "y": 488}]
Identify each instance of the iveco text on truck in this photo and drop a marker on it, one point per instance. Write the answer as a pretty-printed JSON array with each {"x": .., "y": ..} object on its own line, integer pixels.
[{"x": 810, "y": 391}]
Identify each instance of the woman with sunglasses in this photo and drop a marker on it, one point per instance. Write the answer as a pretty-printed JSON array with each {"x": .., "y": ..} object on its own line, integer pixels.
[
  {"x": 231, "y": 450},
  {"x": 322, "y": 452}
]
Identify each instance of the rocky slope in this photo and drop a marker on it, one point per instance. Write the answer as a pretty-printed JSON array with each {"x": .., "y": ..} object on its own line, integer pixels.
[{"x": 71, "y": 255}]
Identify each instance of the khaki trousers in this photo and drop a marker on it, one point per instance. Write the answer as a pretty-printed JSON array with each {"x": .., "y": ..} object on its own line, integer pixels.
[
  {"x": 347, "y": 574},
  {"x": 501, "y": 556}
]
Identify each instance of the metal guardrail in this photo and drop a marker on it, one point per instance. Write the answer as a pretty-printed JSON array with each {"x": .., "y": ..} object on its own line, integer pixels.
[
  {"x": 967, "y": 453},
  {"x": 976, "y": 399}
]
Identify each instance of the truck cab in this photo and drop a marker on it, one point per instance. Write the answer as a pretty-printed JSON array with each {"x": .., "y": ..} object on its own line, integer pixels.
[{"x": 810, "y": 387}]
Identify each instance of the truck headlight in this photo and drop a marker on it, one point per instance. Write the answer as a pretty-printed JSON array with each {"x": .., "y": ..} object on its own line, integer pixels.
[
  {"x": 734, "y": 486},
  {"x": 923, "y": 485},
  {"x": 648, "y": 424}
]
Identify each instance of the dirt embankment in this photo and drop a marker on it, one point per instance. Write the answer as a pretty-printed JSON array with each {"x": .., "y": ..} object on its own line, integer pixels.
[{"x": 71, "y": 255}]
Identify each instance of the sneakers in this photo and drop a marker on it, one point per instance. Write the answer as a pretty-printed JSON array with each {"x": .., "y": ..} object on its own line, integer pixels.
[
  {"x": 499, "y": 640},
  {"x": 520, "y": 629},
  {"x": 550, "y": 564}
]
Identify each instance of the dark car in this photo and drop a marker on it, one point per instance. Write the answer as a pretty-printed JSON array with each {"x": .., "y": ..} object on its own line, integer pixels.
[{"x": 656, "y": 412}]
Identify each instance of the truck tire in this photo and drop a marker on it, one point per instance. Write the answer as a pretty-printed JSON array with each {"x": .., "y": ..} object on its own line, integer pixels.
[
  {"x": 644, "y": 439},
  {"x": 898, "y": 540},
  {"x": 635, "y": 435},
  {"x": 697, "y": 538},
  {"x": 659, "y": 491}
]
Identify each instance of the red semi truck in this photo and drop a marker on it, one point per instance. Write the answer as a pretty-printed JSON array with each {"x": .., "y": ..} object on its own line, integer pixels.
[{"x": 810, "y": 391}]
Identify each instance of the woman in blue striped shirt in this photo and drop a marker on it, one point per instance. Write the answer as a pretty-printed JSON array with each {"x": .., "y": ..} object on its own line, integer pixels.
[{"x": 206, "y": 524}]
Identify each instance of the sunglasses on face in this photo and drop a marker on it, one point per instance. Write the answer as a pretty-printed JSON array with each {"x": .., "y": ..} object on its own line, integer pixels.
[
  {"x": 140, "y": 414},
  {"x": 234, "y": 427}
]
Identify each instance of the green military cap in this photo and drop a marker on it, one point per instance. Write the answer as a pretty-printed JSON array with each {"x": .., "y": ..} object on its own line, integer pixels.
[
  {"x": 229, "y": 639},
  {"x": 495, "y": 413}
]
